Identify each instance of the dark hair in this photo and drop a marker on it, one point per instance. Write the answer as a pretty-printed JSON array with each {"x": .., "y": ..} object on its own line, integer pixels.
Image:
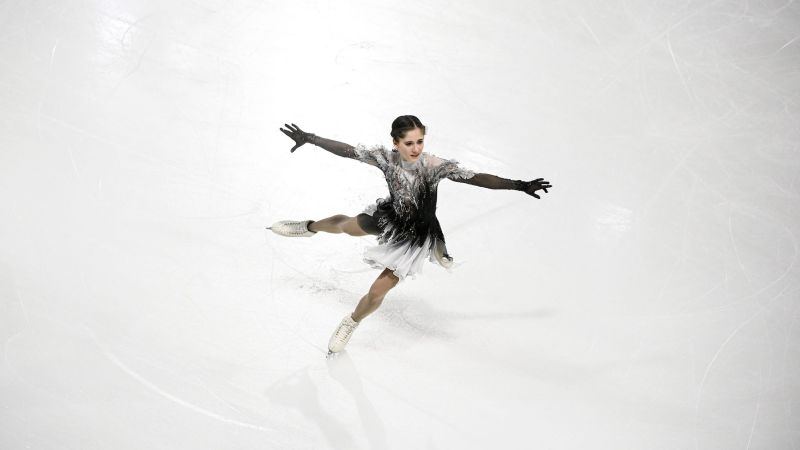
[{"x": 404, "y": 124}]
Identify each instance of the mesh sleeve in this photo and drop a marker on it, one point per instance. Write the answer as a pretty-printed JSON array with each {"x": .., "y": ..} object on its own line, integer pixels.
[
  {"x": 490, "y": 181},
  {"x": 453, "y": 170}
]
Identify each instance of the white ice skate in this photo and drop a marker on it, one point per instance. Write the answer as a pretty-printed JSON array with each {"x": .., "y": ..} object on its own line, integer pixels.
[
  {"x": 342, "y": 334},
  {"x": 292, "y": 228}
]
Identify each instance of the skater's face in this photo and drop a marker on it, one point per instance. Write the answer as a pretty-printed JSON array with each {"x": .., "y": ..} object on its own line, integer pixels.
[{"x": 410, "y": 146}]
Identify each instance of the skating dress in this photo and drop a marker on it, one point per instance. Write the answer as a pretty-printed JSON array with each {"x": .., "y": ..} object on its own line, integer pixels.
[{"x": 409, "y": 230}]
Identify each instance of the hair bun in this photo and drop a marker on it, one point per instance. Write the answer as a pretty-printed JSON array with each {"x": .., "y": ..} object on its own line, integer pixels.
[{"x": 403, "y": 124}]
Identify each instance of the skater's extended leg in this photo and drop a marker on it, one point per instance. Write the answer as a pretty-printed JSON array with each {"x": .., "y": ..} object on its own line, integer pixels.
[
  {"x": 341, "y": 223},
  {"x": 370, "y": 302}
]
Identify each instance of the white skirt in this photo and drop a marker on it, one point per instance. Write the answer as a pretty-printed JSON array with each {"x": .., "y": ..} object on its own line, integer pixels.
[{"x": 406, "y": 259}]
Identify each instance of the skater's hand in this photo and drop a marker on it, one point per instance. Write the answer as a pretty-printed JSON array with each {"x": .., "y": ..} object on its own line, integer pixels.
[
  {"x": 530, "y": 187},
  {"x": 299, "y": 136}
]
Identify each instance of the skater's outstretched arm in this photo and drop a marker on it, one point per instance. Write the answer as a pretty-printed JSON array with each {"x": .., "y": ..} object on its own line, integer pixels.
[
  {"x": 337, "y": 148},
  {"x": 452, "y": 169},
  {"x": 490, "y": 181},
  {"x": 300, "y": 137}
]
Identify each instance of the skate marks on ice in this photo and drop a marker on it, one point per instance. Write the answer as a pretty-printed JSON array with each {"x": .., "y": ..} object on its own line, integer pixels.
[
  {"x": 301, "y": 283},
  {"x": 175, "y": 399},
  {"x": 308, "y": 280},
  {"x": 77, "y": 336},
  {"x": 410, "y": 314}
]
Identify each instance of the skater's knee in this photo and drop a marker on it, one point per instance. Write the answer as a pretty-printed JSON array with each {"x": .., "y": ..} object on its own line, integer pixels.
[
  {"x": 376, "y": 293},
  {"x": 381, "y": 286},
  {"x": 340, "y": 218},
  {"x": 389, "y": 278}
]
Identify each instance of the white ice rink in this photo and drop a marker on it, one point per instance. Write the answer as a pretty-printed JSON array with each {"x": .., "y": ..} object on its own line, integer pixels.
[{"x": 650, "y": 300}]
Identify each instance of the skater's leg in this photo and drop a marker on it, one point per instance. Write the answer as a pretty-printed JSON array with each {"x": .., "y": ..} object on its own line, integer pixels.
[
  {"x": 370, "y": 302},
  {"x": 341, "y": 223},
  {"x": 368, "y": 223}
]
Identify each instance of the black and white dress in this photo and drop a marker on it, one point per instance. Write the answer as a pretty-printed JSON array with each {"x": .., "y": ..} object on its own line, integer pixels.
[{"x": 409, "y": 230}]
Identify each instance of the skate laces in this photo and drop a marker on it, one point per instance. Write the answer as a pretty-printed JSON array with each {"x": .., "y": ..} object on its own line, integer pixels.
[
  {"x": 346, "y": 330},
  {"x": 295, "y": 227}
]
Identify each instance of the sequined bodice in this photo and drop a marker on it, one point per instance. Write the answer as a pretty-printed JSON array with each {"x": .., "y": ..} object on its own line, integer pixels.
[
  {"x": 409, "y": 212},
  {"x": 406, "y": 180}
]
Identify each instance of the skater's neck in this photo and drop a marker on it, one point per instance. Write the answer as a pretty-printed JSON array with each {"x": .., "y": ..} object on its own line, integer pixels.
[{"x": 409, "y": 164}]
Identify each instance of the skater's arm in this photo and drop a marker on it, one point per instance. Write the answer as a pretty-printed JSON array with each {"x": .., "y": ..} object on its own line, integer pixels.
[
  {"x": 374, "y": 156},
  {"x": 490, "y": 181},
  {"x": 335, "y": 147},
  {"x": 301, "y": 137},
  {"x": 453, "y": 170}
]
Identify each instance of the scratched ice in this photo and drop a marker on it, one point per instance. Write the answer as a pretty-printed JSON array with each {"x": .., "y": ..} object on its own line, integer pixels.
[{"x": 650, "y": 300}]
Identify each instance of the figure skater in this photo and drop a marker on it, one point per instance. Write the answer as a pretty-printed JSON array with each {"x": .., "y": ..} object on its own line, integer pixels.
[{"x": 404, "y": 222}]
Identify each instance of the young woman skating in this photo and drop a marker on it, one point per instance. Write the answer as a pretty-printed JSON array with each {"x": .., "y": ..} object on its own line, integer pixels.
[{"x": 404, "y": 222}]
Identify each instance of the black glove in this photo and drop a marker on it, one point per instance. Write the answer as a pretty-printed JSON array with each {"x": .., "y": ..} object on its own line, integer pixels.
[
  {"x": 299, "y": 136},
  {"x": 530, "y": 187}
]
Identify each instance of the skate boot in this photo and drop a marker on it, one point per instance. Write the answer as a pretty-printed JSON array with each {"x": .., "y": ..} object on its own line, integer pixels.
[
  {"x": 292, "y": 228},
  {"x": 342, "y": 334}
]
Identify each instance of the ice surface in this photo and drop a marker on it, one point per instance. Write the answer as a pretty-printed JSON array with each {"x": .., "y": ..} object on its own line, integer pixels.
[{"x": 648, "y": 301}]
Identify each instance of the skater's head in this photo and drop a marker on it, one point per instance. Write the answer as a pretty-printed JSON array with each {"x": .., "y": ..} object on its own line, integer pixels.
[{"x": 408, "y": 135}]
